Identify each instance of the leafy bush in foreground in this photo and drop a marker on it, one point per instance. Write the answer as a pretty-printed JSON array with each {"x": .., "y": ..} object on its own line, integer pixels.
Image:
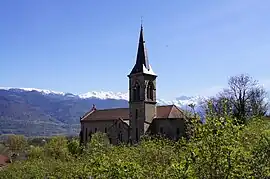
[{"x": 217, "y": 149}]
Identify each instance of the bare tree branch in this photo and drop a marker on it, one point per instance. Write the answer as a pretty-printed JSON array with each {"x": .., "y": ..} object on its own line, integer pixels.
[{"x": 244, "y": 98}]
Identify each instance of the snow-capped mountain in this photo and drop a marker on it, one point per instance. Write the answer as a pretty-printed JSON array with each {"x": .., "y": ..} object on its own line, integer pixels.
[
  {"x": 32, "y": 111},
  {"x": 43, "y": 91},
  {"x": 35, "y": 112},
  {"x": 103, "y": 95}
]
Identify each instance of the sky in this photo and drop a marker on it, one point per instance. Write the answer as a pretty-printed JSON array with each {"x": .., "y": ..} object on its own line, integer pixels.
[{"x": 81, "y": 46}]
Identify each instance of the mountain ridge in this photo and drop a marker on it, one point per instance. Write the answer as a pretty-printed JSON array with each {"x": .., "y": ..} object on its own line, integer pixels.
[
  {"x": 36, "y": 112},
  {"x": 107, "y": 95}
]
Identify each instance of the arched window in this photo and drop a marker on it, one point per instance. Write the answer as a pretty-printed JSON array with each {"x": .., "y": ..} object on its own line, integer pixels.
[
  {"x": 150, "y": 91},
  {"x": 136, "y": 92}
]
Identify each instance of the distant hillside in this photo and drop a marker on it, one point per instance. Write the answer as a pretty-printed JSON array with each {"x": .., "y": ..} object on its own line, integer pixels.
[{"x": 34, "y": 112}]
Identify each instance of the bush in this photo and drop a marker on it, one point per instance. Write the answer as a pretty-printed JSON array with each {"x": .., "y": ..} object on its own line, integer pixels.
[
  {"x": 36, "y": 152},
  {"x": 16, "y": 143},
  {"x": 216, "y": 149},
  {"x": 57, "y": 148},
  {"x": 74, "y": 147}
]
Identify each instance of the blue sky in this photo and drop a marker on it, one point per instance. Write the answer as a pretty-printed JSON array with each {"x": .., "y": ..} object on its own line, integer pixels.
[{"x": 80, "y": 46}]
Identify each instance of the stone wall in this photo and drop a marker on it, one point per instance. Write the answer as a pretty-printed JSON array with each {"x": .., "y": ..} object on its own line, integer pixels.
[{"x": 116, "y": 130}]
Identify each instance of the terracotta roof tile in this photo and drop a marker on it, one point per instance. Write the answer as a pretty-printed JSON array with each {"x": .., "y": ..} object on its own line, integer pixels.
[
  {"x": 176, "y": 112},
  {"x": 169, "y": 111},
  {"x": 3, "y": 160},
  {"x": 163, "y": 111},
  {"x": 107, "y": 114}
]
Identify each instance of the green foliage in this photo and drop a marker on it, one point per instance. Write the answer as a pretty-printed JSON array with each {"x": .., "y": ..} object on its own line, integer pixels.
[
  {"x": 98, "y": 145},
  {"x": 216, "y": 149},
  {"x": 35, "y": 152},
  {"x": 74, "y": 147},
  {"x": 244, "y": 99},
  {"x": 57, "y": 148},
  {"x": 16, "y": 143}
]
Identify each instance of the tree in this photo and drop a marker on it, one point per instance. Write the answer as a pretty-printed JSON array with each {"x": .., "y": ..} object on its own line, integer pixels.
[
  {"x": 74, "y": 147},
  {"x": 57, "y": 147},
  {"x": 243, "y": 99},
  {"x": 218, "y": 106},
  {"x": 16, "y": 143}
]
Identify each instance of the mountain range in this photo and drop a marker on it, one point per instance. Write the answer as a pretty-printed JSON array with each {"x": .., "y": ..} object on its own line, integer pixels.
[{"x": 37, "y": 112}]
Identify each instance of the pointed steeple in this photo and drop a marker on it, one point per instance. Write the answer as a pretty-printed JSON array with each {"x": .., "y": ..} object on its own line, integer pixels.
[{"x": 142, "y": 64}]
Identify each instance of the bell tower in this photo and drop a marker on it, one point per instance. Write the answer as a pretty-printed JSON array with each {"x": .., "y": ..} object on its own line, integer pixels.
[{"x": 142, "y": 93}]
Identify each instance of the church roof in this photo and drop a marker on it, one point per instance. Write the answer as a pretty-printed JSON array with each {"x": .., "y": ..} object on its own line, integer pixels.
[
  {"x": 107, "y": 114},
  {"x": 163, "y": 112},
  {"x": 170, "y": 111},
  {"x": 142, "y": 64}
]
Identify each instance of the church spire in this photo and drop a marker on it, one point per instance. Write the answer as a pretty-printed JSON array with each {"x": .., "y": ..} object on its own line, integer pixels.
[{"x": 142, "y": 64}]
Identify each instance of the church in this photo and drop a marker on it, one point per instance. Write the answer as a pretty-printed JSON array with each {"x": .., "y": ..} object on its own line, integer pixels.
[{"x": 143, "y": 116}]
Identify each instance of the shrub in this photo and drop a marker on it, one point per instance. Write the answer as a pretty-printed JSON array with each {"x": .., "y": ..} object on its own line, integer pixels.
[
  {"x": 57, "y": 148},
  {"x": 216, "y": 149}
]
